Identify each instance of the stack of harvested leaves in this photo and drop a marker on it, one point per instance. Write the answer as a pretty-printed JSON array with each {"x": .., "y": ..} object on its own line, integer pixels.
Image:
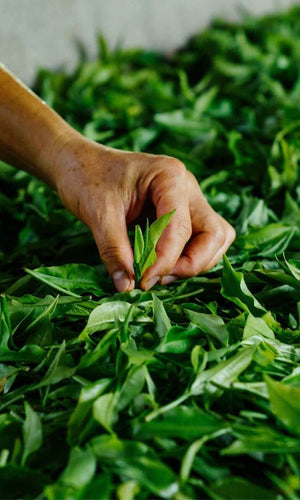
[{"x": 192, "y": 390}]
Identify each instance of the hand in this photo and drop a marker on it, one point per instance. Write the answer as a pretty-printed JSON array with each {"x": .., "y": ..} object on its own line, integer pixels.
[{"x": 107, "y": 189}]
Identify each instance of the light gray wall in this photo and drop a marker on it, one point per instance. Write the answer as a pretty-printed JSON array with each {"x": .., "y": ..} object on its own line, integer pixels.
[{"x": 37, "y": 33}]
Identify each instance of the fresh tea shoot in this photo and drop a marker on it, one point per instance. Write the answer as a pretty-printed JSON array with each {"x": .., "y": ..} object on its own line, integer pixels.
[{"x": 144, "y": 244}]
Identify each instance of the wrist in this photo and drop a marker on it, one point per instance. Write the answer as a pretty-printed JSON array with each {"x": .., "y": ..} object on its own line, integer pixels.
[
  {"x": 72, "y": 159},
  {"x": 54, "y": 141}
]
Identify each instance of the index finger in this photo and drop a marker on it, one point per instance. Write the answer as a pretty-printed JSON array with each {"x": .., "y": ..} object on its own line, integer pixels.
[
  {"x": 168, "y": 191},
  {"x": 212, "y": 236}
]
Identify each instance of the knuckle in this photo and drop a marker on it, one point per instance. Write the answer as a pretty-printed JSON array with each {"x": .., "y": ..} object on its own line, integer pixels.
[
  {"x": 194, "y": 270},
  {"x": 184, "y": 229},
  {"x": 206, "y": 268},
  {"x": 171, "y": 165},
  {"x": 178, "y": 168},
  {"x": 231, "y": 232},
  {"x": 165, "y": 267},
  {"x": 193, "y": 183},
  {"x": 109, "y": 253},
  {"x": 192, "y": 267},
  {"x": 220, "y": 234}
]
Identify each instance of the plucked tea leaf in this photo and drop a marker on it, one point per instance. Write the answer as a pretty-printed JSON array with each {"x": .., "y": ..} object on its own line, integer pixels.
[
  {"x": 80, "y": 469},
  {"x": 235, "y": 289},
  {"x": 105, "y": 410},
  {"x": 224, "y": 373},
  {"x": 138, "y": 244},
  {"x": 238, "y": 488},
  {"x": 70, "y": 278},
  {"x": 182, "y": 422},
  {"x": 32, "y": 432},
  {"x": 144, "y": 246},
  {"x": 211, "y": 324},
  {"x": 107, "y": 315},
  {"x": 285, "y": 403},
  {"x": 160, "y": 317},
  {"x": 132, "y": 386}
]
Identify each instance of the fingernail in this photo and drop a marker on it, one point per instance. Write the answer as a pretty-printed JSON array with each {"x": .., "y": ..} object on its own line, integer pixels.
[
  {"x": 150, "y": 283},
  {"x": 122, "y": 281},
  {"x": 168, "y": 279}
]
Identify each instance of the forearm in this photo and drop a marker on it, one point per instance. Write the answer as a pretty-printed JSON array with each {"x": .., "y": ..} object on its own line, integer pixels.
[{"x": 31, "y": 133}]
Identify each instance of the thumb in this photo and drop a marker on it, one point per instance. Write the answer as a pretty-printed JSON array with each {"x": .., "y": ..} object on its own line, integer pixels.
[{"x": 110, "y": 234}]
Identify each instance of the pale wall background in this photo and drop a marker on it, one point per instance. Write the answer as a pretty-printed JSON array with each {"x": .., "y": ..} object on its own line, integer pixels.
[{"x": 37, "y": 33}]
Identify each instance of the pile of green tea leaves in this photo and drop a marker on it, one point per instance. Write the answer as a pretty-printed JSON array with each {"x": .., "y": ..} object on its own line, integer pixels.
[{"x": 191, "y": 390}]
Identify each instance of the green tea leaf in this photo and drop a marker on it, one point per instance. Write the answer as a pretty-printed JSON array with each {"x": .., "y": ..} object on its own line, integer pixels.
[
  {"x": 144, "y": 246},
  {"x": 160, "y": 317},
  {"x": 224, "y": 373},
  {"x": 80, "y": 469},
  {"x": 107, "y": 315},
  {"x": 138, "y": 244},
  {"x": 239, "y": 488},
  {"x": 153, "y": 475},
  {"x": 210, "y": 324},
  {"x": 294, "y": 267},
  {"x": 58, "y": 369},
  {"x": 235, "y": 289},
  {"x": 82, "y": 413},
  {"x": 110, "y": 449},
  {"x": 155, "y": 231},
  {"x": 70, "y": 278},
  {"x": 132, "y": 386},
  {"x": 262, "y": 440},
  {"x": 32, "y": 432},
  {"x": 182, "y": 422},
  {"x": 179, "y": 339},
  {"x": 285, "y": 403},
  {"x": 105, "y": 410},
  {"x": 257, "y": 326}
]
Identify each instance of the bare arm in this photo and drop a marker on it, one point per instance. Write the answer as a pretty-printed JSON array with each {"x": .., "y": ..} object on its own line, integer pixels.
[{"x": 30, "y": 131}]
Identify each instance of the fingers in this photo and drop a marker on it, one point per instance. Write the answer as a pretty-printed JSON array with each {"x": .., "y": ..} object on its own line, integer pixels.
[
  {"x": 212, "y": 236},
  {"x": 204, "y": 251},
  {"x": 110, "y": 233},
  {"x": 229, "y": 239},
  {"x": 168, "y": 191}
]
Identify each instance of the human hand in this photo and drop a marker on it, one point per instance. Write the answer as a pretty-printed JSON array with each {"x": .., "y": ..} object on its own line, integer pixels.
[{"x": 107, "y": 189}]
